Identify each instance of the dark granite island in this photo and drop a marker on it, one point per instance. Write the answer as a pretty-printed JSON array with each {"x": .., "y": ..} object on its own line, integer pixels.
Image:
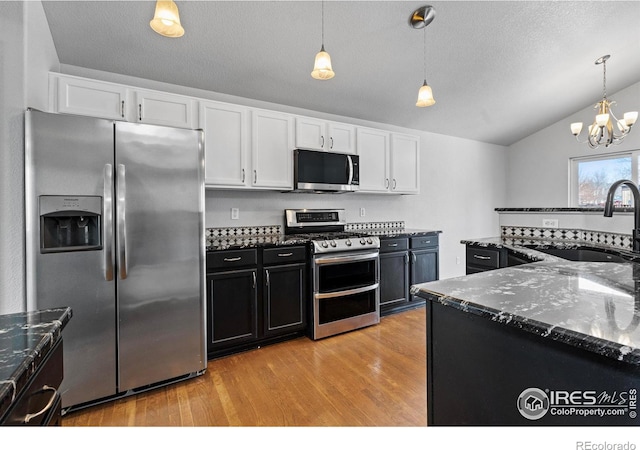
[
  {"x": 547, "y": 343},
  {"x": 31, "y": 366}
]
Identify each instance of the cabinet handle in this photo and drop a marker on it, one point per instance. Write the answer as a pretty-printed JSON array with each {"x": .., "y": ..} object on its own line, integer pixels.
[
  {"x": 237, "y": 258},
  {"x": 331, "y": 142},
  {"x": 122, "y": 109},
  {"x": 394, "y": 184},
  {"x": 481, "y": 257},
  {"x": 392, "y": 245},
  {"x": 413, "y": 257},
  {"x": 47, "y": 407},
  {"x": 255, "y": 176},
  {"x": 254, "y": 279},
  {"x": 242, "y": 175},
  {"x": 140, "y": 112},
  {"x": 406, "y": 259},
  {"x": 386, "y": 183},
  {"x": 322, "y": 144},
  {"x": 285, "y": 255},
  {"x": 266, "y": 272},
  {"x": 426, "y": 242}
]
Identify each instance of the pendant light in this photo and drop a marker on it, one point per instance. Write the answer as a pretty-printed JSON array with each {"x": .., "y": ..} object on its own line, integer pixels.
[
  {"x": 420, "y": 18},
  {"x": 322, "y": 67},
  {"x": 166, "y": 20}
]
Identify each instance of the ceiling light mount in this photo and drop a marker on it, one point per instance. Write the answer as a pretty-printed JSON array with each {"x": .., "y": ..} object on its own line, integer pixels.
[
  {"x": 420, "y": 19},
  {"x": 601, "y": 131}
]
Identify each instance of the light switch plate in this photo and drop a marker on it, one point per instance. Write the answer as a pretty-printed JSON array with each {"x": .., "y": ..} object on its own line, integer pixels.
[{"x": 235, "y": 213}]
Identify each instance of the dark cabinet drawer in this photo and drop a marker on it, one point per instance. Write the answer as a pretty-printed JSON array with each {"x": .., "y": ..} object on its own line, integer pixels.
[
  {"x": 39, "y": 403},
  {"x": 229, "y": 259},
  {"x": 483, "y": 257},
  {"x": 424, "y": 241},
  {"x": 393, "y": 244},
  {"x": 284, "y": 255}
]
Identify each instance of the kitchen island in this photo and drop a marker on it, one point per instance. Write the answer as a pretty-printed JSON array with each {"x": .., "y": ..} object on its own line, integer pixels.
[
  {"x": 552, "y": 342},
  {"x": 31, "y": 366}
]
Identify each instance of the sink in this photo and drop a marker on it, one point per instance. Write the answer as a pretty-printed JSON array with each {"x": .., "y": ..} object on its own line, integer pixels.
[{"x": 590, "y": 254}]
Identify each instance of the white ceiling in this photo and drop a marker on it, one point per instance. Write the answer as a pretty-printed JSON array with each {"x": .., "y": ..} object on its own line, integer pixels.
[{"x": 499, "y": 70}]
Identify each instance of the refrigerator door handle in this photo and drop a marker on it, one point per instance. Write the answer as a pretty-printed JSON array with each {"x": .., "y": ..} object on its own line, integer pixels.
[
  {"x": 108, "y": 222},
  {"x": 122, "y": 223}
]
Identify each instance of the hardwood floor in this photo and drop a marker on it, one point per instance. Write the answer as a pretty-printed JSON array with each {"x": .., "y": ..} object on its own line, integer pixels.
[{"x": 370, "y": 377}]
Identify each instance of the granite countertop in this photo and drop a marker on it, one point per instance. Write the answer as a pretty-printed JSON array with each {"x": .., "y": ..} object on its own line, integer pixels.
[
  {"x": 590, "y": 305},
  {"x": 25, "y": 340}
]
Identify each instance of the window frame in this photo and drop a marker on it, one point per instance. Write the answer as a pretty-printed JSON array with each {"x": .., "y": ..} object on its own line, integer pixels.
[{"x": 573, "y": 170}]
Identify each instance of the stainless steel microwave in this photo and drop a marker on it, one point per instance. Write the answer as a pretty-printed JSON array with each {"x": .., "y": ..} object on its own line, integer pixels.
[{"x": 317, "y": 171}]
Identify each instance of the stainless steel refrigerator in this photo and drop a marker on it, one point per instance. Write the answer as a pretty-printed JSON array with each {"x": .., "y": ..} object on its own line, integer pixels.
[{"x": 115, "y": 229}]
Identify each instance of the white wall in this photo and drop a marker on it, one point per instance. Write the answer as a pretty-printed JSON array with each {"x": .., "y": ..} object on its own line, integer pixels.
[
  {"x": 462, "y": 181},
  {"x": 26, "y": 55},
  {"x": 538, "y": 166}
]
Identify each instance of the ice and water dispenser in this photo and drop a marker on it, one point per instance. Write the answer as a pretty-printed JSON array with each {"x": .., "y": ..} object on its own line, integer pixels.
[{"x": 70, "y": 223}]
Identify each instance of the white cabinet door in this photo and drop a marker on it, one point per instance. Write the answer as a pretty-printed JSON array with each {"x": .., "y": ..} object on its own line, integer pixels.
[
  {"x": 226, "y": 142},
  {"x": 342, "y": 137},
  {"x": 272, "y": 149},
  {"x": 315, "y": 134},
  {"x": 310, "y": 133},
  {"x": 90, "y": 98},
  {"x": 373, "y": 150},
  {"x": 405, "y": 164},
  {"x": 160, "y": 108}
]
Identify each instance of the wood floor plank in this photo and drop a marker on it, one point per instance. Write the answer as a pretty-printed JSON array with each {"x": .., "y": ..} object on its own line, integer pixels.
[{"x": 375, "y": 376}]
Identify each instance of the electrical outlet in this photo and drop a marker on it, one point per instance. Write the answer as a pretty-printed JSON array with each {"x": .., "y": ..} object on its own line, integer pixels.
[
  {"x": 362, "y": 212},
  {"x": 235, "y": 213},
  {"x": 550, "y": 223},
  {"x": 457, "y": 260}
]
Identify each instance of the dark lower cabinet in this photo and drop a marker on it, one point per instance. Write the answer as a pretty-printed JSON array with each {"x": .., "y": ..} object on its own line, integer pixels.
[
  {"x": 255, "y": 297},
  {"x": 40, "y": 402},
  {"x": 232, "y": 309},
  {"x": 284, "y": 298},
  {"x": 404, "y": 262}
]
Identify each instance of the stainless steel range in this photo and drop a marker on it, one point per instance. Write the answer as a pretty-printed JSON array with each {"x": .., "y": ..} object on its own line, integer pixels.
[{"x": 345, "y": 271}]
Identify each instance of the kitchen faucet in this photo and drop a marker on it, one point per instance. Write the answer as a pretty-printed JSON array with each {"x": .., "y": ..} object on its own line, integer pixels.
[{"x": 608, "y": 208}]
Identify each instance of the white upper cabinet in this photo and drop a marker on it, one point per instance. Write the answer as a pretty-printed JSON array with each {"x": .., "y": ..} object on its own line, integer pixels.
[
  {"x": 405, "y": 164},
  {"x": 87, "y": 97},
  {"x": 315, "y": 134},
  {"x": 160, "y": 108},
  {"x": 226, "y": 143},
  {"x": 81, "y": 96},
  {"x": 271, "y": 149},
  {"x": 389, "y": 162},
  {"x": 373, "y": 150}
]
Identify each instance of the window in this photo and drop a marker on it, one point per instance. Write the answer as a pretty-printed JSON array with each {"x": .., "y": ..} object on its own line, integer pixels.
[{"x": 591, "y": 177}]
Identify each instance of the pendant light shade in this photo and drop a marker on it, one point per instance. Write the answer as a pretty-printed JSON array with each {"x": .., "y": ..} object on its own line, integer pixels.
[
  {"x": 322, "y": 68},
  {"x": 425, "y": 96},
  {"x": 166, "y": 20}
]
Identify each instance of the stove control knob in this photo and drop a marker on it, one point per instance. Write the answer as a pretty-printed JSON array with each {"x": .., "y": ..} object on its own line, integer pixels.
[
  {"x": 369, "y": 241},
  {"x": 333, "y": 243},
  {"x": 324, "y": 244},
  {"x": 348, "y": 242},
  {"x": 362, "y": 241}
]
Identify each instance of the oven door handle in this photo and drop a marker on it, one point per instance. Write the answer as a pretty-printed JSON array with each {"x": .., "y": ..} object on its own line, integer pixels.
[
  {"x": 359, "y": 290},
  {"x": 348, "y": 257}
]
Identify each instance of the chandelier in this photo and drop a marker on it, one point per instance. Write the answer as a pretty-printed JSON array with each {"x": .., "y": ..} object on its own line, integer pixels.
[{"x": 601, "y": 131}]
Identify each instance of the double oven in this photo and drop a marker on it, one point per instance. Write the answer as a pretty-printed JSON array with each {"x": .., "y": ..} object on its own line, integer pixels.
[{"x": 345, "y": 271}]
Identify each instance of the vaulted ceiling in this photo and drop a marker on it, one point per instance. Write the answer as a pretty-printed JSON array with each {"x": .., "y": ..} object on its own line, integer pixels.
[{"x": 500, "y": 70}]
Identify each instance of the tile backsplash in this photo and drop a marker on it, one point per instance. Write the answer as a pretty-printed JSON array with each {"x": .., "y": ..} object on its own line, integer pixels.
[{"x": 534, "y": 235}]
